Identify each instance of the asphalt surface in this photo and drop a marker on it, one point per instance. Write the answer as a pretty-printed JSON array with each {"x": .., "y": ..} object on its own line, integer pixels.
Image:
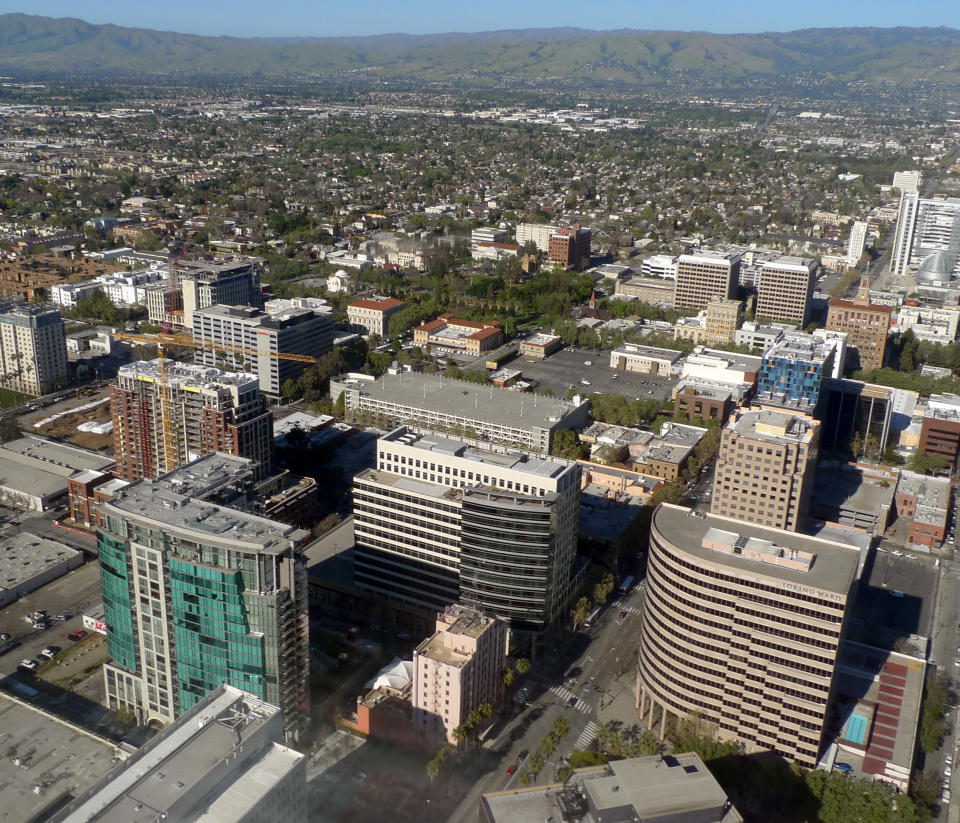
[{"x": 567, "y": 369}]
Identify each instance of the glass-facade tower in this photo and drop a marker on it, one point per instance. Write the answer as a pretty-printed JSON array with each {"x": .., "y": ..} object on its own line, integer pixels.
[{"x": 197, "y": 595}]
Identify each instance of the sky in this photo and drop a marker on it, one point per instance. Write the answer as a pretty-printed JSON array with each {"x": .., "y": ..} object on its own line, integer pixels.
[{"x": 321, "y": 18}]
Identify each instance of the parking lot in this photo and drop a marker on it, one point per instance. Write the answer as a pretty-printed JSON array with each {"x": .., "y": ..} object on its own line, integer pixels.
[{"x": 568, "y": 369}]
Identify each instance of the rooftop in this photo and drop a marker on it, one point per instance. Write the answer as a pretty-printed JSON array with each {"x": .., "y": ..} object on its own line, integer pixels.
[
  {"x": 944, "y": 407},
  {"x": 540, "y": 340},
  {"x": 651, "y": 789},
  {"x": 378, "y": 303},
  {"x": 790, "y": 263},
  {"x": 69, "y": 758},
  {"x": 832, "y": 566},
  {"x": 649, "y": 351},
  {"x": 773, "y": 426},
  {"x": 802, "y": 347},
  {"x": 528, "y": 464},
  {"x": 471, "y": 401},
  {"x": 186, "y": 375},
  {"x": 167, "y": 502},
  {"x": 23, "y": 556},
  {"x": 731, "y": 360},
  {"x": 169, "y": 773},
  {"x": 709, "y": 256}
]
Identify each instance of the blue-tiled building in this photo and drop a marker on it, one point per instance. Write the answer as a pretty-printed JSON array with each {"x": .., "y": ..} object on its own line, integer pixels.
[{"x": 794, "y": 368}]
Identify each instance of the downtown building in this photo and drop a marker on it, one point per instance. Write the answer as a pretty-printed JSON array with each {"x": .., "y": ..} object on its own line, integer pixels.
[
  {"x": 438, "y": 522},
  {"x": 208, "y": 410},
  {"x": 866, "y": 324},
  {"x": 925, "y": 226},
  {"x": 198, "y": 594},
  {"x": 704, "y": 276},
  {"x": 794, "y": 369},
  {"x": 33, "y": 348},
  {"x": 457, "y": 670},
  {"x": 221, "y": 761},
  {"x": 301, "y": 326},
  {"x": 741, "y": 626},
  {"x": 765, "y": 468},
  {"x": 488, "y": 418},
  {"x": 202, "y": 283},
  {"x": 785, "y": 289}
]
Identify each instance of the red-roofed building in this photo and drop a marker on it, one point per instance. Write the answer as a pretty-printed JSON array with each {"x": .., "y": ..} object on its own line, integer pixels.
[
  {"x": 467, "y": 336},
  {"x": 371, "y": 315}
]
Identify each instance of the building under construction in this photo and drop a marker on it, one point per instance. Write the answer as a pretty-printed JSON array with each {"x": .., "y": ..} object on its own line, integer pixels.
[{"x": 204, "y": 410}]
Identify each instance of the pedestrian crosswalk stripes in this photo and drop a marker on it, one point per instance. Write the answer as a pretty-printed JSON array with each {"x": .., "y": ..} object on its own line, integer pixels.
[
  {"x": 565, "y": 694},
  {"x": 586, "y": 736}
]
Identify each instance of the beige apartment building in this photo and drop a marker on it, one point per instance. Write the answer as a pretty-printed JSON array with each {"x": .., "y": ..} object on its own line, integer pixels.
[
  {"x": 371, "y": 315},
  {"x": 457, "y": 670},
  {"x": 33, "y": 348},
  {"x": 705, "y": 276},
  {"x": 784, "y": 289},
  {"x": 765, "y": 468},
  {"x": 722, "y": 319},
  {"x": 644, "y": 359},
  {"x": 740, "y": 627},
  {"x": 866, "y": 324}
]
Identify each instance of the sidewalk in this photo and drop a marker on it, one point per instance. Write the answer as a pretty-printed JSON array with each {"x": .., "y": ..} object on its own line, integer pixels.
[{"x": 623, "y": 705}]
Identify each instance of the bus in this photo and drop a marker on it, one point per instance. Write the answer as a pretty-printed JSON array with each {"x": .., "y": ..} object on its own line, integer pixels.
[{"x": 626, "y": 584}]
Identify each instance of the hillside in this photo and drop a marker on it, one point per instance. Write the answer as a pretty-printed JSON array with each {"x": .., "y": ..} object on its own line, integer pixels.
[{"x": 872, "y": 55}]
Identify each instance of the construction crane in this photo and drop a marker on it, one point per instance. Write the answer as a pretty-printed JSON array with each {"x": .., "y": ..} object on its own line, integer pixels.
[
  {"x": 171, "y": 307},
  {"x": 161, "y": 340}
]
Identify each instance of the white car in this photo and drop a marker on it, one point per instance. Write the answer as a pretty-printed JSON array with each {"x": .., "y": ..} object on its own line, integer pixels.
[
  {"x": 946, "y": 772},
  {"x": 948, "y": 759},
  {"x": 29, "y": 665},
  {"x": 945, "y": 797}
]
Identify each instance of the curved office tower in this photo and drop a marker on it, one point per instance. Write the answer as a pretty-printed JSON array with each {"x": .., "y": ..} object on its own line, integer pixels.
[
  {"x": 740, "y": 626},
  {"x": 508, "y": 557}
]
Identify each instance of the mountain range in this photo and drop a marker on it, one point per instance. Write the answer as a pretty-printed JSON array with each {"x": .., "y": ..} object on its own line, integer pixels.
[{"x": 905, "y": 56}]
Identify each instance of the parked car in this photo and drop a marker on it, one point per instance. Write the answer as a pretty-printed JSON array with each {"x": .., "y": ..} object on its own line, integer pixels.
[
  {"x": 511, "y": 770},
  {"x": 5, "y": 635},
  {"x": 50, "y": 652},
  {"x": 61, "y": 618},
  {"x": 29, "y": 665},
  {"x": 846, "y": 768},
  {"x": 79, "y": 634}
]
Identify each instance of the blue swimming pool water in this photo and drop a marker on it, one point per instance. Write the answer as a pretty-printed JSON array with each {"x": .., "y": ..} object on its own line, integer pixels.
[{"x": 856, "y": 729}]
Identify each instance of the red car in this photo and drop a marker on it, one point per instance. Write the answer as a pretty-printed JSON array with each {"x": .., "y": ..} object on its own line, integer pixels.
[
  {"x": 79, "y": 634},
  {"x": 511, "y": 770}
]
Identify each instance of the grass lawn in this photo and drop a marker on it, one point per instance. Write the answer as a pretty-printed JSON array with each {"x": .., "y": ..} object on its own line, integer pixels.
[{"x": 9, "y": 397}]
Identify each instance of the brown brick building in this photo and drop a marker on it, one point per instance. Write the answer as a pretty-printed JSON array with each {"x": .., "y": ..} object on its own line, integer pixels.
[
  {"x": 940, "y": 432},
  {"x": 866, "y": 324},
  {"x": 210, "y": 410}
]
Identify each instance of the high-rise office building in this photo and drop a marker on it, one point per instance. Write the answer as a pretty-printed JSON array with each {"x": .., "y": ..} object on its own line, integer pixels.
[
  {"x": 537, "y": 233},
  {"x": 570, "y": 247},
  {"x": 299, "y": 326},
  {"x": 765, "y": 468},
  {"x": 197, "y": 594},
  {"x": 785, "y": 288},
  {"x": 438, "y": 523},
  {"x": 202, "y": 283},
  {"x": 704, "y": 276},
  {"x": 456, "y": 670},
  {"x": 866, "y": 324},
  {"x": 741, "y": 625},
  {"x": 908, "y": 182},
  {"x": 858, "y": 242},
  {"x": 33, "y": 348},
  {"x": 208, "y": 409},
  {"x": 925, "y": 226},
  {"x": 222, "y": 761}
]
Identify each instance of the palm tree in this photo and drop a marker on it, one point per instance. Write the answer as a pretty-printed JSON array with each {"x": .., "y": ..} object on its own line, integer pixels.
[{"x": 523, "y": 666}]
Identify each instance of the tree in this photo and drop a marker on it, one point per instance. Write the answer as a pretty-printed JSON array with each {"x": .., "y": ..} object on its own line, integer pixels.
[
  {"x": 602, "y": 590},
  {"x": 928, "y": 463},
  {"x": 523, "y": 666},
  {"x": 560, "y": 728},
  {"x": 580, "y": 612},
  {"x": 567, "y": 444},
  {"x": 508, "y": 678},
  {"x": 290, "y": 389},
  {"x": 856, "y": 445}
]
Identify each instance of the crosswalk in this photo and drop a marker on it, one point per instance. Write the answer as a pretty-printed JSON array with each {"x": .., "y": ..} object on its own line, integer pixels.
[
  {"x": 631, "y": 609},
  {"x": 586, "y": 736},
  {"x": 522, "y": 695},
  {"x": 565, "y": 695}
]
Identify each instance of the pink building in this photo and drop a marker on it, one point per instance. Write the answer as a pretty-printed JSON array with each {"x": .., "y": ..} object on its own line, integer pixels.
[{"x": 457, "y": 670}]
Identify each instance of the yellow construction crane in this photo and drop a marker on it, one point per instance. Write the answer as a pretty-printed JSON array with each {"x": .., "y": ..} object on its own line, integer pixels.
[{"x": 163, "y": 340}]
